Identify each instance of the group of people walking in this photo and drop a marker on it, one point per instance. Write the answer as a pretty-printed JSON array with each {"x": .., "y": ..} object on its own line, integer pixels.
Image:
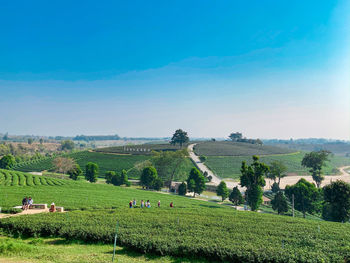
[
  {"x": 27, "y": 202},
  {"x": 147, "y": 204}
]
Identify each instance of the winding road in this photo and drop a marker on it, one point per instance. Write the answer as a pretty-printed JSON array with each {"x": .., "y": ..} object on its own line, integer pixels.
[{"x": 288, "y": 180}]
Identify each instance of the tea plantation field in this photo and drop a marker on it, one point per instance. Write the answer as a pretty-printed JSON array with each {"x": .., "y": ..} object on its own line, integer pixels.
[
  {"x": 229, "y": 166},
  {"x": 105, "y": 161},
  {"x": 226, "y": 148},
  {"x": 192, "y": 229},
  {"x": 216, "y": 234},
  {"x": 140, "y": 149}
]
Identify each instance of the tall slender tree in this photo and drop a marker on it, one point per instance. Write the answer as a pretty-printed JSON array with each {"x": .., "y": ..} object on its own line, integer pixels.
[
  {"x": 315, "y": 161},
  {"x": 253, "y": 179}
]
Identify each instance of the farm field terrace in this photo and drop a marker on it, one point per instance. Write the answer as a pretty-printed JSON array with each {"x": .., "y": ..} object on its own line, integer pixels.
[
  {"x": 74, "y": 195},
  {"x": 105, "y": 161},
  {"x": 229, "y": 166},
  {"x": 216, "y": 234}
]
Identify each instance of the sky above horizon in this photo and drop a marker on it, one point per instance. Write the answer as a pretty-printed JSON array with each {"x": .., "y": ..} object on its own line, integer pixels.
[{"x": 269, "y": 69}]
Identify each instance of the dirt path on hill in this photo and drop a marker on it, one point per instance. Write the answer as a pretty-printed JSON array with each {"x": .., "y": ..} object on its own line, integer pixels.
[
  {"x": 289, "y": 180},
  {"x": 26, "y": 212}
]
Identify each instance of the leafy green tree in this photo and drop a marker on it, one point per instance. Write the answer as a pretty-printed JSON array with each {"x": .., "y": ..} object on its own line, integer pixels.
[
  {"x": 30, "y": 140},
  {"x": 337, "y": 202},
  {"x": 236, "y": 197},
  {"x": 199, "y": 182},
  {"x": 222, "y": 190},
  {"x": 75, "y": 172},
  {"x": 157, "y": 184},
  {"x": 169, "y": 163},
  {"x": 279, "y": 203},
  {"x": 116, "y": 179},
  {"x": 108, "y": 176},
  {"x": 179, "y": 137},
  {"x": 253, "y": 179},
  {"x": 7, "y": 161},
  {"x": 235, "y": 136},
  {"x": 67, "y": 145},
  {"x": 202, "y": 158},
  {"x": 182, "y": 188},
  {"x": 306, "y": 196},
  {"x": 124, "y": 177},
  {"x": 41, "y": 140},
  {"x": 6, "y": 137},
  {"x": 277, "y": 170},
  {"x": 191, "y": 185},
  {"x": 149, "y": 174},
  {"x": 275, "y": 187},
  {"x": 315, "y": 161},
  {"x": 91, "y": 172}
]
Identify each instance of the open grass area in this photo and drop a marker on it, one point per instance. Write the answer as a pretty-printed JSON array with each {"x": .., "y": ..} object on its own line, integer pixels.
[
  {"x": 227, "y": 148},
  {"x": 229, "y": 166}
]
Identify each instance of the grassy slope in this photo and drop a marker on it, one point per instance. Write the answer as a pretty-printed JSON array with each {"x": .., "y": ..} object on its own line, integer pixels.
[
  {"x": 105, "y": 161},
  {"x": 227, "y": 148},
  {"x": 229, "y": 166},
  {"x": 140, "y": 149},
  {"x": 84, "y": 195},
  {"x": 192, "y": 228}
]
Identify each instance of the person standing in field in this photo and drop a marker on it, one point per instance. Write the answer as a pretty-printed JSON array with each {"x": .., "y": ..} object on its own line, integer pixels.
[
  {"x": 130, "y": 204},
  {"x": 142, "y": 204},
  {"x": 171, "y": 204},
  {"x": 134, "y": 203},
  {"x": 30, "y": 201},
  {"x": 148, "y": 204},
  {"x": 159, "y": 204},
  {"x": 24, "y": 203}
]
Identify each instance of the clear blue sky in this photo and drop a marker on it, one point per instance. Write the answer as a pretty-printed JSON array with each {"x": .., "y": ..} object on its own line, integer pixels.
[{"x": 271, "y": 69}]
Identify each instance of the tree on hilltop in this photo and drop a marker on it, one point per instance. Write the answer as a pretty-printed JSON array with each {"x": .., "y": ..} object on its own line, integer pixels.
[
  {"x": 179, "y": 137},
  {"x": 315, "y": 161},
  {"x": 277, "y": 171},
  {"x": 235, "y": 136}
]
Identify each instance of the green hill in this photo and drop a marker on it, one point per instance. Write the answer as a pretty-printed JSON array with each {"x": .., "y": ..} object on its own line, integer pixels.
[
  {"x": 141, "y": 149},
  {"x": 105, "y": 161},
  {"x": 192, "y": 229},
  {"x": 228, "y": 148}
]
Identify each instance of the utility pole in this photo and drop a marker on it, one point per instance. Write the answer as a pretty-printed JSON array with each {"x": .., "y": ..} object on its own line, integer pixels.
[{"x": 293, "y": 204}]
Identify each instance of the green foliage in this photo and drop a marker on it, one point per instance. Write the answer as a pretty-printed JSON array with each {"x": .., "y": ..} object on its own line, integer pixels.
[
  {"x": 315, "y": 161},
  {"x": 7, "y": 162},
  {"x": 179, "y": 137},
  {"x": 67, "y": 145},
  {"x": 279, "y": 203},
  {"x": 236, "y": 197},
  {"x": 253, "y": 179},
  {"x": 169, "y": 163},
  {"x": 225, "y": 235},
  {"x": 202, "y": 158},
  {"x": 108, "y": 176},
  {"x": 196, "y": 182},
  {"x": 337, "y": 202},
  {"x": 275, "y": 187},
  {"x": 148, "y": 177},
  {"x": 306, "y": 196},
  {"x": 182, "y": 189},
  {"x": 30, "y": 140},
  {"x": 277, "y": 171},
  {"x": 75, "y": 172},
  {"x": 91, "y": 172},
  {"x": 229, "y": 166},
  {"x": 222, "y": 190}
]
